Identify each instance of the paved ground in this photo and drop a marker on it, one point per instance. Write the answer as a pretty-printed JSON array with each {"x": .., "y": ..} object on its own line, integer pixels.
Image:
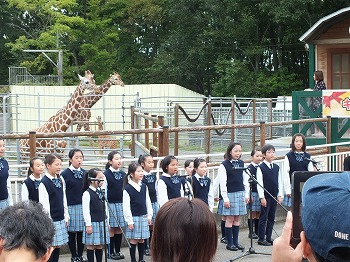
[{"x": 222, "y": 255}]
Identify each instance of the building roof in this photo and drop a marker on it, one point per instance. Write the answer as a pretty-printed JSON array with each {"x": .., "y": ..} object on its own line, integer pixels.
[{"x": 324, "y": 23}]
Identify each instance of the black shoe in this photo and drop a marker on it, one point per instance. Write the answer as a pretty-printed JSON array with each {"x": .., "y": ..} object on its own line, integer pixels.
[
  {"x": 147, "y": 252},
  {"x": 253, "y": 236},
  {"x": 84, "y": 259},
  {"x": 223, "y": 240},
  {"x": 113, "y": 256},
  {"x": 142, "y": 261},
  {"x": 232, "y": 248},
  {"x": 263, "y": 243},
  {"x": 270, "y": 241},
  {"x": 240, "y": 247},
  {"x": 119, "y": 255}
]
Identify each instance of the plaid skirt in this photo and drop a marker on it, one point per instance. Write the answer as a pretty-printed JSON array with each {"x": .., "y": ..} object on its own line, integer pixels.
[
  {"x": 116, "y": 212},
  {"x": 256, "y": 205},
  {"x": 97, "y": 236},
  {"x": 155, "y": 207},
  {"x": 141, "y": 228},
  {"x": 287, "y": 201},
  {"x": 61, "y": 234},
  {"x": 4, "y": 203},
  {"x": 76, "y": 221},
  {"x": 220, "y": 207},
  {"x": 237, "y": 204}
]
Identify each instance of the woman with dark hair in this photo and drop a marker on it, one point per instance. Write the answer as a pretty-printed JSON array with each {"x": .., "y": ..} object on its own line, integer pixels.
[
  {"x": 184, "y": 230},
  {"x": 316, "y": 102}
]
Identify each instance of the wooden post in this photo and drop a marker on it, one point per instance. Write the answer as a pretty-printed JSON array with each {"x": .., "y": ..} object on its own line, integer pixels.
[
  {"x": 254, "y": 121},
  {"x": 165, "y": 143},
  {"x": 232, "y": 120},
  {"x": 262, "y": 134},
  {"x": 146, "y": 134},
  {"x": 161, "y": 136},
  {"x": 154, "y": 125},
  {"x": 32, "y": 144},
  {"x": 176, "y": 135},
  {"x": 132, "y": 148},
  {"x": 207, "y": 142}
]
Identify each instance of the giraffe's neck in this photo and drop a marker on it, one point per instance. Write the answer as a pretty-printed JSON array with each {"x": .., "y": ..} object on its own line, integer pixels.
[{"x": 92, "y": 98}]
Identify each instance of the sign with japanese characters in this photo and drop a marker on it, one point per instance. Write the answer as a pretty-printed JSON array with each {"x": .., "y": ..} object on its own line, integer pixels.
[{"x": 336, "y": 103}]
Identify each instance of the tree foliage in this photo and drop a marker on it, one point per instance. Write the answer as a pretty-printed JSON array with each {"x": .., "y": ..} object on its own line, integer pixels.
[{"x": 214, "y": 47}]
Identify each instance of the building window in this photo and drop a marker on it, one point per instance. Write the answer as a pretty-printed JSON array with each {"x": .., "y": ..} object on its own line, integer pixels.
[{"x": 340, "y": 70}]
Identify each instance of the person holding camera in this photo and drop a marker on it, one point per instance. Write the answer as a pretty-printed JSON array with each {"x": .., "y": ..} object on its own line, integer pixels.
[{"x": 325, "y": 219}]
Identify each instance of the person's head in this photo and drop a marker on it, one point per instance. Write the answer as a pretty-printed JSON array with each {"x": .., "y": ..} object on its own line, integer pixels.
[
  {"x": 2, "y": 147},
  {"x": 325, "y": 217},
  {"x": 88, "y": 179},
  {"x": 36, "y": 167},
  {"x": 53, "y": 164},
  {"x": 146, "y": 161},
  {"x": 256, "y": 156},
  {"x": 184, "y": 230},
  {"x": 169, "y": 165},
  {"x": 200, "y": 166},
  {"x": 26, "y": 228},
  {"x": 234, "y": 151},
  {"x": 188, "y": 165},
  {"x": 114, "y": 160},
  {"x": 298, "y": 142},
  {"x": 135, "y": 172},
  {"x": 318, "y": 76},
  {"x": 268, "y": 152},
  {"x": 76, "y": 157}
]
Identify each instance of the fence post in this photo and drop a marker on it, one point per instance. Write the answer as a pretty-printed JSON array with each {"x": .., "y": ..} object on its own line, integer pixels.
[
  {"x": 262, "y": 134},
  {"x": 32, "y": 144},
  {"x": 232, "y": 120},
  {"x": 132, "y": 148},
  {"x": 207, "y": 142},
  {"x": 254, "y": 121},
  {"x": 165, "y": 143},
  {"x": 176, "y": 135},
  {"x": 160, "y": 136},
  {"x": 146, "y": 134},
  {"x": 154, "y": 125}
]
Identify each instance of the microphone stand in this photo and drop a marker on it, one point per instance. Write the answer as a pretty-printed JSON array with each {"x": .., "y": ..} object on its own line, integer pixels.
[{"x": 251, "y": 249}]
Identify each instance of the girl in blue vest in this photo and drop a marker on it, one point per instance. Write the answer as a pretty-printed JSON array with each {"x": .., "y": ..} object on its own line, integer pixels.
[
  {"x": 169, "y": 184},
  {"x": 256, "y": 206},
  {"x": 137, "y": 209},
  {"x": 114, "y": 176},
  {"x": 53, "y": 199},
  {"x": 295, "y": 160},
  {"x": 72, "y": 178},
  {"x": 31, "y": 184},
  {"x": 95, "y": 214},
  {"x": 233, "y": 191},
  {"x": 188, "y": 165},
  {"x": 201, "y": 183},
  {"x": 150, "y": 179},
  {"x": 5, "y": 183}
]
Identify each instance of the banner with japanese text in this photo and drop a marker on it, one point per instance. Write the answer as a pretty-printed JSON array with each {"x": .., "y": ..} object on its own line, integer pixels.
[{"x": 336, "y": 103}]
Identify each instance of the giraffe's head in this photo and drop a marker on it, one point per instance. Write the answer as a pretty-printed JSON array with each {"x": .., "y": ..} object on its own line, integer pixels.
[
  {"x": 115, "y": 79},
  {"x": 87, "y": 82}
]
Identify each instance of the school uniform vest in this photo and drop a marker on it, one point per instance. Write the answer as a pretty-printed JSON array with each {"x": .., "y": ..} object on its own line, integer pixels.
[
  {"x": 252, "y": 169},
  {"x": 55, "y": 198},
  {"x": 295, "y": 165},
  {"x": 137, "y": 200},
  {"x": 270, "y": 179},
  {"x": 4, "y": 174},
  {"x": 74, "y": 186},
  {"x": 173, "y": 190},
  {"x": 33, "y": 193},
  {"x": 199, "y": 191},
  {"x": 150, "y": 181},
  {"x": 115, "y": 186},
  {"x": 234, "y": 177},
  {"x": 96, "y": 207}
]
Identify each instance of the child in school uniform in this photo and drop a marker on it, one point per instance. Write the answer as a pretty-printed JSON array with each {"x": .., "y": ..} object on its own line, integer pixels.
[
  {"x": 188, "y": 165},
  {"x": 95, "y": 214},
  {"x": 169, "y": 185},
  {"x": 218, "y": 197},
  {"x": 256, "y": 206},
  {"x": 201, "y": 183},
  {"x": 137, "y": 209},
  {"x": 30, "y": 186},
  {"x": 295, "y": 160},
  {"x": 72, "y": 179},
  {"x": 149, "y": 179},
  {"x": 268, "y": 177},
  {"x": 114, "y": 179},
  {"x": 5, "y": 183},
  {"x": 233, "y": 188},
  {"x": 53, "y": 199}
]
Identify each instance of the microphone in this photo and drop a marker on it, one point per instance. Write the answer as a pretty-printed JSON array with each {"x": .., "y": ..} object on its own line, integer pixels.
[
  {"x": 240, "y": 168},
  {"x": 95, "y": 179},
  {"x": 311, "y": 160}
]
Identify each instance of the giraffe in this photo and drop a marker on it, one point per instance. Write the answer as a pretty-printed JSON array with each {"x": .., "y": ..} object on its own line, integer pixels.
[
  {"x": 105, "y": 141},
  {"x": 83, "y": 116},
  {"x": 62, "y": 120}
]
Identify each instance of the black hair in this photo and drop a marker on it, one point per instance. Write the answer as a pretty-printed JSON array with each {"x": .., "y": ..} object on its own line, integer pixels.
[
  {"x": 92, "y": 173},
  {"x": 50, "y": 158},
  {"x": 142, "y": 158},
  {"x": 131, "y": 170},
  {"x": 31, "y": 165},
  {"x": 266, "y": 148},
  {"x": 293, "y": 141},
  {"x": 110, "y": 157},
  {"x": 26, "y": 225},
  {"x": 166, "y": 162},
  {"x": 254, "y": 151},
  {"x": 197, "y": 162},
  {"x": 72, "y": 152},
  {"x": 229, "y": 149},
  {"x": 187, "y": 163}
]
